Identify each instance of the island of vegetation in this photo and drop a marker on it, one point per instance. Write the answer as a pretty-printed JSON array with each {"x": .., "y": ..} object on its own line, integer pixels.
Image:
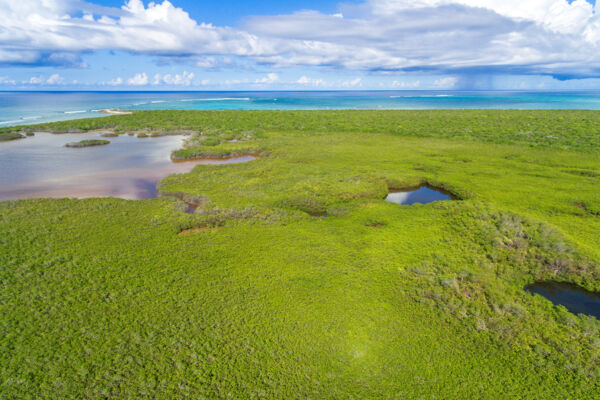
[
  {"x": 292, "y": 277},
  {"x": 88, "y": 143}
]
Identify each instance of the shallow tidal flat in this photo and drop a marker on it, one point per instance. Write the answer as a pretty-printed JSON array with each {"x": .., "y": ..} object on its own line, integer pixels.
[{"x": 55, "y": 165}]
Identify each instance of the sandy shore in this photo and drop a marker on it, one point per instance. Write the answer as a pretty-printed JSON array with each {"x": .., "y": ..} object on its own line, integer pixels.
[{"x": 115, "y": 112}]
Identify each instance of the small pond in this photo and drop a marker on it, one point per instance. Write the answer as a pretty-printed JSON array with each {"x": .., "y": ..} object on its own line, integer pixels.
[
  {"x": 128, "y": 167},
  {"x": 575, "y": 299},
  {"x": 421, "y": 194}
]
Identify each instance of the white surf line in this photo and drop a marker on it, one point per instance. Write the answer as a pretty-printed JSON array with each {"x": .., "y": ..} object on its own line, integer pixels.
[{"x": 221, "y": 99}]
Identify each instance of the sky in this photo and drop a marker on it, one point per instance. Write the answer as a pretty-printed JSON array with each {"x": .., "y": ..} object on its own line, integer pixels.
[{"x": 299, "y": 45}]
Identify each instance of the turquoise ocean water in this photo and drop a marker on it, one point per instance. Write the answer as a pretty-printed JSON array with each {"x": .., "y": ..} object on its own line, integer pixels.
[{"x": 18, "y": 108}]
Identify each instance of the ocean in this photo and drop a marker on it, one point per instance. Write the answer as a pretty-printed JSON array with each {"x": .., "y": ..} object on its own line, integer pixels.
[{"x": 18, "y": 108}]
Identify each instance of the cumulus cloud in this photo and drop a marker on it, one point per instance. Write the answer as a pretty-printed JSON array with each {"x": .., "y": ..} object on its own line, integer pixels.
[
  {"x": 306, "y": 81},
  {"x": 36, "y": 31},
  {"x": 270, "y": 78},
  {"x": 445, "y": 37},
  {"x": 184, "y": 79},
  {"x": 139, "y": 79},
  {"x": 55, "y": 79},
  {"x": 115, "y": 82},
  {"x": 35, "y": 80},
  {"x": 406, "y": 85}
]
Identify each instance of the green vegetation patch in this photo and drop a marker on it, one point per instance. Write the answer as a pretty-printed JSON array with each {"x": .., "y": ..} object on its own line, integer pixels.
[
  {"x": 88, "y": 143},
  {"x": 217, "y": 150},
  {"x": 561, "y": 129},
  {"x": 5, "y": 136},
  {"x": 294, "y": 278}
]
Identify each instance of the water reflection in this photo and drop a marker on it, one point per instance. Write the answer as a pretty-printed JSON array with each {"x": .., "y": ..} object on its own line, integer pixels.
[
  {"x": 575, "y": 299},
  {"x": 128, "y": 167},
  {"x": 421, "y": 194}
]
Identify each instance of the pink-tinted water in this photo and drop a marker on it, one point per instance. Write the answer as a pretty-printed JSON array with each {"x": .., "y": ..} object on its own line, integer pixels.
[{"x": 128, "y": 167}]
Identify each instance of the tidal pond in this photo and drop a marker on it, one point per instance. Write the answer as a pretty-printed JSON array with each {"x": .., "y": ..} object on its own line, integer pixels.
[
  {"x": 421, "y": 194},
  {"x": 128, "y": 167},
  {"x": 574, "y": 298}
]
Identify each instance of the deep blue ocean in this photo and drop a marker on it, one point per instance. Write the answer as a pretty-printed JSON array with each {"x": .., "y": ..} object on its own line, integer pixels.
[{"x": 17, "y": 108}]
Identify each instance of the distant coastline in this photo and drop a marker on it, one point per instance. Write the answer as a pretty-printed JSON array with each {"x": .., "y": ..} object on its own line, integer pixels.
[{"x": 24, "y": 108}]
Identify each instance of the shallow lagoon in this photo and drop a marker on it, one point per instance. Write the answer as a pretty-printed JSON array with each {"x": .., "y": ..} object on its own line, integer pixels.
[{"x": 128, "y": 167}]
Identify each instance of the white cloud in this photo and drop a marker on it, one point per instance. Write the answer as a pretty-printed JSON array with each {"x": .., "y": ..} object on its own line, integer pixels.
[
  {"x": 35, "y": 80},
  {"x": 437, "y": 36},
  {"x": 446, "y": 83},
  {"x": 140, "y": 79},
  {"x": 558, "y": 37},
  {"x": 556, "y": 15},
  {"x": 270, "y": 78},
  {"x": 5, "y": 80},
  {"x": 55, "y": 79},
  {"x": 184, "y": 79},
  {"x": 406, "y": 85},
  {"x": 115, "y": 82},
  {"x": 207, "y": 62},
  {"x": 306, "y": 81},
  {"x": 32, "y": 29}
]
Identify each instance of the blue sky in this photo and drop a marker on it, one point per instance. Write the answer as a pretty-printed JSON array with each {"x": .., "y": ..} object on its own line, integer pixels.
[{"x": 299, "y": 45}]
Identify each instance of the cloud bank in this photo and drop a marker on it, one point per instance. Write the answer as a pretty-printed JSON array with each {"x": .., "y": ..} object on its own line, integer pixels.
[{"x": 537, "y": 37}]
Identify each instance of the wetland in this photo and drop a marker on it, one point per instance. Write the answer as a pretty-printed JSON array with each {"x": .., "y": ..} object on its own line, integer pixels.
[{"x": 254, "y": 293}]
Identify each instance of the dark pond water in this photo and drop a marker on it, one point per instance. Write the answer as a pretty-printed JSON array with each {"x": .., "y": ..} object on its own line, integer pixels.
[
  {"x": 575, "y": 299},
  {"x": 421, "y": 194},
  {"x": 128, "y": 167}
]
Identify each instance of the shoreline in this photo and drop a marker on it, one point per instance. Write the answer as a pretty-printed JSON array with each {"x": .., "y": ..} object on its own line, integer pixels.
[{"x": 111, "y": 111}]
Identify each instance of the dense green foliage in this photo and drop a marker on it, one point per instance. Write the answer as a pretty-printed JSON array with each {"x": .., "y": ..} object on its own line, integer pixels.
[
  {"x": 88, "y": 143},
  {"x": 304, "y": 282},
  {"x": 5, "y": 136},
  {"x": 564, "y": 129}
]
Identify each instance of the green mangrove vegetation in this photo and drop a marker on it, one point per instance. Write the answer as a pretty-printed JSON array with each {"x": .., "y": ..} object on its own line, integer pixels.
[
  {"x": 88, "y": 143},
  {"x": 6, "y": 136},
  {"x": 294, "y": 278}
]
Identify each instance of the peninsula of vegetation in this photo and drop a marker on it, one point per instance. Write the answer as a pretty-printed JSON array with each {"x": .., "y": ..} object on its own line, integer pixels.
[
  {"x": 8, "y": 135},
  {"x": 292, "y": 277}
]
